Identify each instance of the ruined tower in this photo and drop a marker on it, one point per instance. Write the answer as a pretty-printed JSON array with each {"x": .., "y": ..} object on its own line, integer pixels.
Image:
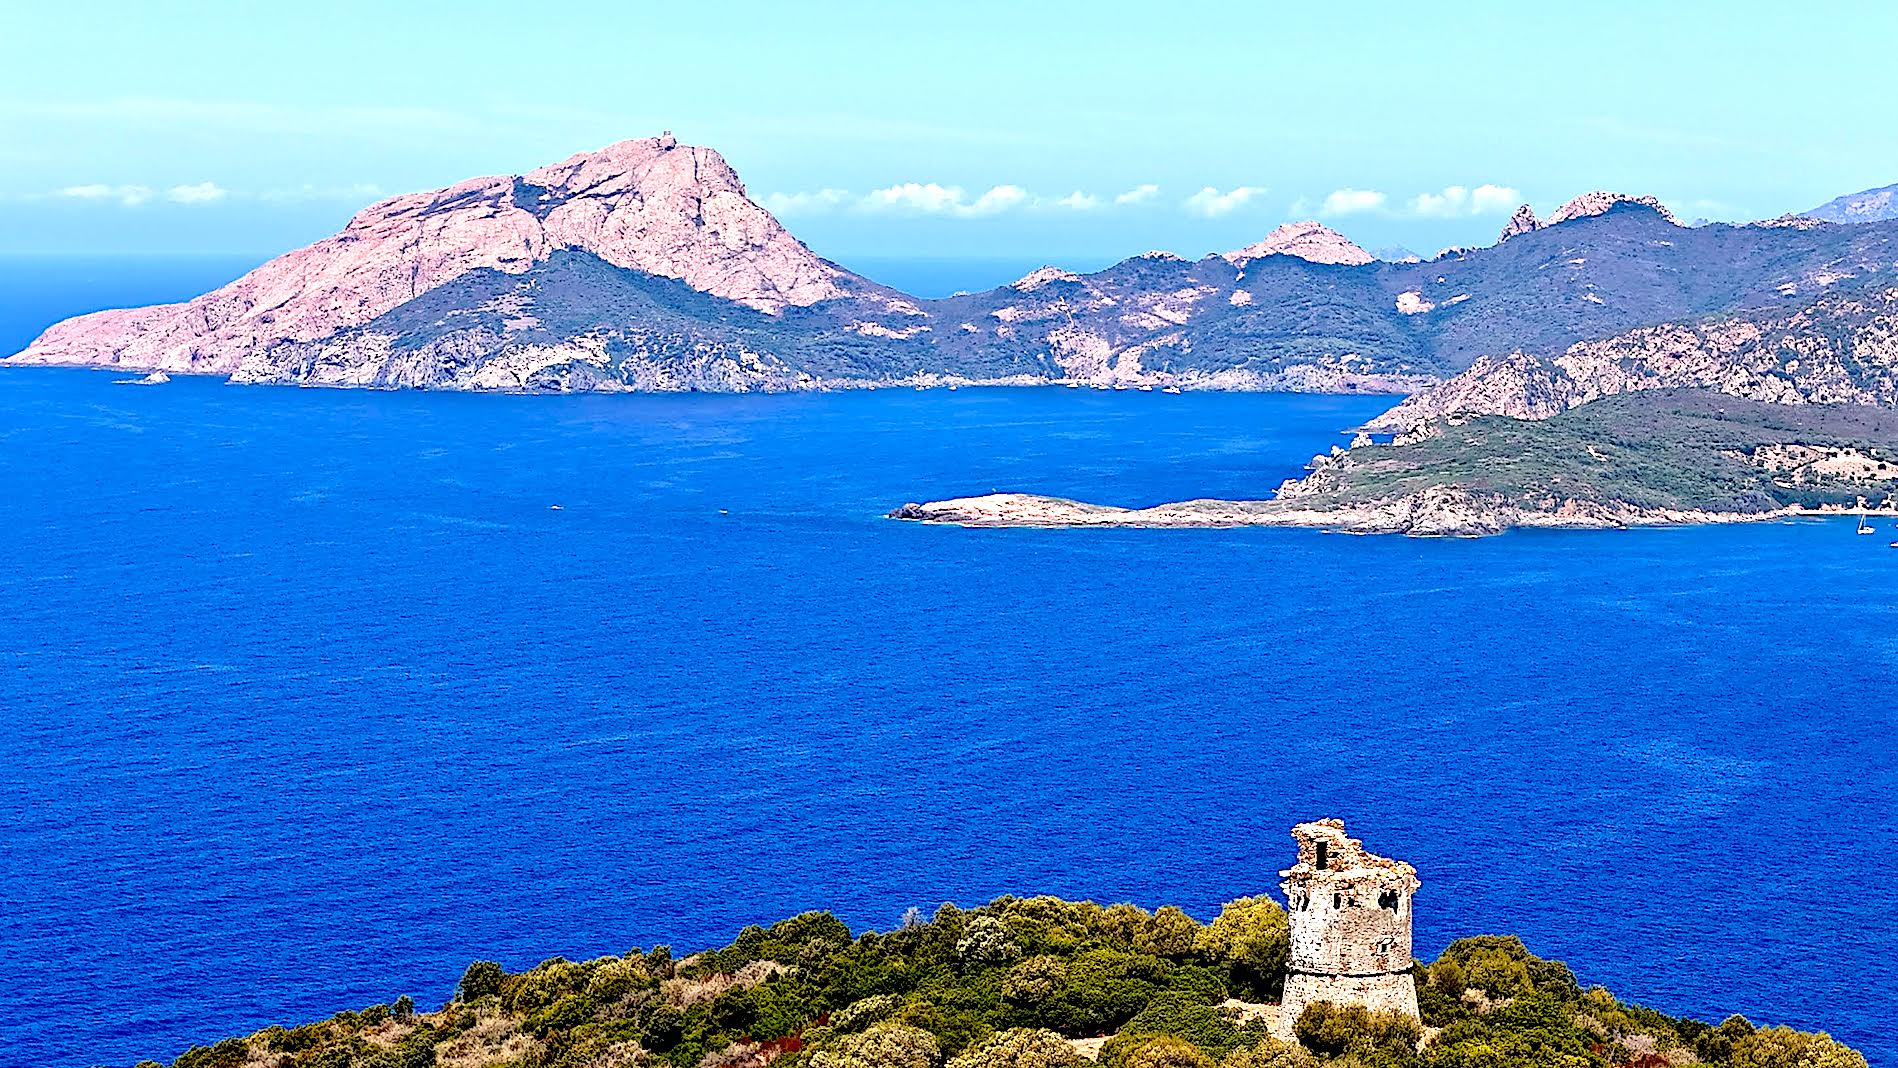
[{"x": 1350, "y": 918}]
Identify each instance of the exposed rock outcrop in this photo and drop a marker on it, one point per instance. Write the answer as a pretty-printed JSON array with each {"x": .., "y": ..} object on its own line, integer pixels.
[
  {"x": 1308, "y": 240},
  {"x": 1599, "y": 202},
  {"x": 650, "y": 205},
  {"x": 1522, "y": 222}
]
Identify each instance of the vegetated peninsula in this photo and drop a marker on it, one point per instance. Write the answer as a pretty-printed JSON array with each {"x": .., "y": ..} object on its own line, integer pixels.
[
  {"x": 1046, "y": 983},
  {"x": 646, "y": 265},
  {"x": 1745, "y": 415},
  {"x": 1649, "y": 458}
]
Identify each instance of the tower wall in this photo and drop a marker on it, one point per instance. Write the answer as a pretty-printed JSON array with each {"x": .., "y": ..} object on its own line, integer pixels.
[{"x": 1350, "y": 915}]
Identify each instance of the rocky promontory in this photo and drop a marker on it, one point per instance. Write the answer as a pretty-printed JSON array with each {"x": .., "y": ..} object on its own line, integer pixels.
[{"x": 1655, "y": 458}]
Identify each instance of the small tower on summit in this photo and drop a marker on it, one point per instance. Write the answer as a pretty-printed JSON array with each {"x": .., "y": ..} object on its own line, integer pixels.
[{"x": 1350, "y": 920}]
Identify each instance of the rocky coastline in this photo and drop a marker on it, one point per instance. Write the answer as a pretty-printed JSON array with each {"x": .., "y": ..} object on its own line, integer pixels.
[{"x": 1440, "y": 512}]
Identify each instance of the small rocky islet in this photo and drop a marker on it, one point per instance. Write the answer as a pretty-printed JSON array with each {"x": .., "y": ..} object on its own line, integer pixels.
[{"x": 1326, "y": 978}]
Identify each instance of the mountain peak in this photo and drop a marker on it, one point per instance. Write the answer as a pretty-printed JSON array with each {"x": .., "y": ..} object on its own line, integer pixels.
[
  {"x": 1307, "y": 240},
  {"x": 1599, "y": 202},
  {"x": 1596, "y": 203},
  {"x": 1522, "y": 222},
  {"x": 648, "y": 204}
]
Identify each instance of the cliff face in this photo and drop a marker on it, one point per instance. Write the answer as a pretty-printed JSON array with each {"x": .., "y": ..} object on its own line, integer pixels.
[{"x": 649, "y": 205}]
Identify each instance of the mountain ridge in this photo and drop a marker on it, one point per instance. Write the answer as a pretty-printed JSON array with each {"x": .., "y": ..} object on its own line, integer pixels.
[{"x": 646, "y": 266}]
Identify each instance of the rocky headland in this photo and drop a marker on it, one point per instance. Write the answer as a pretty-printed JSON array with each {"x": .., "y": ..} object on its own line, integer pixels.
[
  {"x": 1653, "y": 458},
  {"x": 1018, "y": 983}
]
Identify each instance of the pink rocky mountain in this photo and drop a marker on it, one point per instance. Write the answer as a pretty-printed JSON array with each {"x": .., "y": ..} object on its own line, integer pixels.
[
  {"x": 650, "y": 205},
  {"x": 1524, "y": 220},
  {"x": 1308, "y": 240}
]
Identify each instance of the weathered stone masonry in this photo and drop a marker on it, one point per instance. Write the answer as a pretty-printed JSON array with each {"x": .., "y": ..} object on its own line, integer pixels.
[{"x": 1350, "y": 920}]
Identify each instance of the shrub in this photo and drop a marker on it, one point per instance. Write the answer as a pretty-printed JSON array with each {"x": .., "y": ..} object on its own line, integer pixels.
[
  {"x": 1032, "y": 981},
  {"x": 403, "y": 1009},
  {"x": 861, "y": 1014},
  {"x": 1269, "y": 1053},
  {"x": 1171, "y": 934},
  {"x": 1534, "y": 1031},
  {"x": 1022, "y": 1048},
  {"x": 483, "y": 977},
  {"x": 569, "y": 1012},
  {"x": 1177, "y": 1016},
  {"x": 1163, "y": 1051},
  {"x": 1502, "y": 967},
  {"x": 986, "y": 942},
  {"x": 1334, "y": 1030},
  {"x": 1099, "y": 991},
  {"x": 1251, "y": 939},
  {"x": 1783, "y": 1047},
  {"x": 882, "y": 1046}
]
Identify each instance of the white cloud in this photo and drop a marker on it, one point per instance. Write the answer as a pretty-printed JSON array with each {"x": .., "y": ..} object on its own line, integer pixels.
[
  {"x": 1495, "y": 199},
  {"x": 1139, "y": 194},
  {"x": 129, "y": 195},
  {"x": 1351, "y": 202},
  {"x": 813, "y": 203},
  {"x": 930, "y": 198},
  {"x": 1000, "y": 198},
  {"x": 201, "y": 193},
  {"x": 1211, "y": 203},
  {"x": 1078, "y": 201},
  {"x": 926, "y": 197},
  {"x": 1458, "y": 201}
]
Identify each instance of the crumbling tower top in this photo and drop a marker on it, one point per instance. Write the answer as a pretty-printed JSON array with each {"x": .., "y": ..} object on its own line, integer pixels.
[{"x": 1326, "y": 854}]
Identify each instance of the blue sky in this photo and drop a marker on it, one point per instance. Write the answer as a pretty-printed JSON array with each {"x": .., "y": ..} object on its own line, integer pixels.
[{"x": 1074, "y": 133}]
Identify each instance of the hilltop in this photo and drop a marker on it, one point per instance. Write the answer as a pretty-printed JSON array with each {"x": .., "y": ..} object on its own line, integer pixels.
[{"x": 1017, "y": 983}]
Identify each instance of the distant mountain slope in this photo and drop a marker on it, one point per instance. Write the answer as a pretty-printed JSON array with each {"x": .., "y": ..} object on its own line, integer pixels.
[
  {"x": 1840, "y": 348},
  {"x": 645, "y": 265},
  {"x": 1280, "y": 321},
  {"x": 1872, "y": 205}
]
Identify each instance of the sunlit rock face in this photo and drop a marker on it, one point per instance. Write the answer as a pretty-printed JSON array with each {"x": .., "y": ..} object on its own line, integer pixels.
[
  {"x": 1307, "y": 240},
  {"x": 651, "y": 205}
]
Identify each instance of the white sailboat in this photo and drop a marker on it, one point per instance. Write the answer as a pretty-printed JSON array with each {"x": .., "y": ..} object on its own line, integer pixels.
[{"x": 1863, "y": 526}]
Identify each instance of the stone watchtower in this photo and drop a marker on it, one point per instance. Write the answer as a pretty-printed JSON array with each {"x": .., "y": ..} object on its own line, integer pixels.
[{"x": 1350, "y": 918}]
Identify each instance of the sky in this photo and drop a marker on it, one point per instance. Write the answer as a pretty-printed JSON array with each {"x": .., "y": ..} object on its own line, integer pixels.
[{"x": 1062, "y": 132}]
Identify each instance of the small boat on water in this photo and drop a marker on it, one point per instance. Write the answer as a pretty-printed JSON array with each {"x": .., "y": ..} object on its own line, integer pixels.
[
  {"x": 1864, "y": 527},
  {"x": 156, "y": 378},
  {"x": 1171, "y": 389}
]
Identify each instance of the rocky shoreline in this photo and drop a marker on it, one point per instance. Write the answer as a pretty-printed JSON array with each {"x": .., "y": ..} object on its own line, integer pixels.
[{"x": 1437, "y": 512}]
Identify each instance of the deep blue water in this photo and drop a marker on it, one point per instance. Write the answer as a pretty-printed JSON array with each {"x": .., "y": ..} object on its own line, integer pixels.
[{"x": 311, "y": 697}]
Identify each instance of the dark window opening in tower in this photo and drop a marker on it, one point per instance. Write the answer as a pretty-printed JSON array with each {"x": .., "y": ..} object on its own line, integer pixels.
[
  {"x": 1387, "y": 900},
  {"x": 1324, "y": 850},
  {"x": 1337, "y": 901}
]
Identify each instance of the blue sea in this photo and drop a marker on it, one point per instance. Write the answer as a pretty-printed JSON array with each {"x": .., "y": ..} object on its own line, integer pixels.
[{"x": 311, "y": 697}]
